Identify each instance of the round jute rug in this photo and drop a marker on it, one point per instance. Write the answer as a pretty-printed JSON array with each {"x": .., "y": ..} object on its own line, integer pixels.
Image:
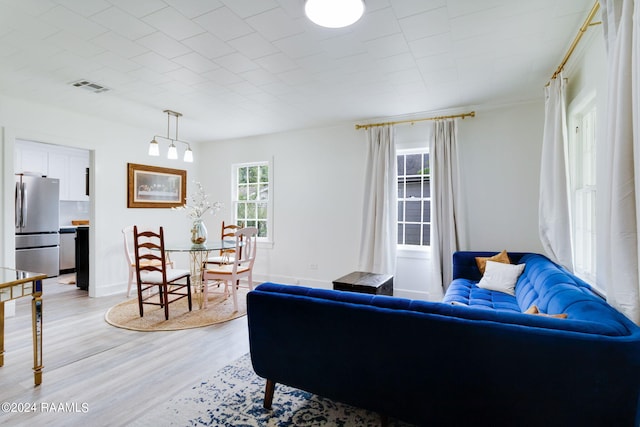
[{"x": 219, "y": 309}]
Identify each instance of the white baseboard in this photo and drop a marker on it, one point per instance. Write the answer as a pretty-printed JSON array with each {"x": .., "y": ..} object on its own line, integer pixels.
[
  {"x": 286, "y": 280},
  {"x": 121, "y": 287},
  {"x": 311, "y": 283},
  {"x": 113, "y": 289}
]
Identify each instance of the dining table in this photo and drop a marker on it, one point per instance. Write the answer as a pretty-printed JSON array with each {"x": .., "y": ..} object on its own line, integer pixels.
[
  {"x": 198, "y": 256},
  {"x": 16, "y": 284}
]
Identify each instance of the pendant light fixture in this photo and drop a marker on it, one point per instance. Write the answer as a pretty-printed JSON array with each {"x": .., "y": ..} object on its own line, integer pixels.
[
  {"x": 334, "y": 13},
  {"x": 154, "y": 146}
]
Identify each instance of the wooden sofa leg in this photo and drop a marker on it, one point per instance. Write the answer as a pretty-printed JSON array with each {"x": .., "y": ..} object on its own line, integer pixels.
[{"x": 268, "y": 394}]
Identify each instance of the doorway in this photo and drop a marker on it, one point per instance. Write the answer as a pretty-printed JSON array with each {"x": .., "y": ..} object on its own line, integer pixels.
[{"x": 70, "y": 166}]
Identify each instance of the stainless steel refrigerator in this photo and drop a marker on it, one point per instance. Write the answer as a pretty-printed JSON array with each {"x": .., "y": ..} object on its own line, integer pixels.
[{"x": 37, "y": 224}]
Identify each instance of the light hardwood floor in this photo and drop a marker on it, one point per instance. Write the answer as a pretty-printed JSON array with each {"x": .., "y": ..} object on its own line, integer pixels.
[{"x": 107, "y": 376}]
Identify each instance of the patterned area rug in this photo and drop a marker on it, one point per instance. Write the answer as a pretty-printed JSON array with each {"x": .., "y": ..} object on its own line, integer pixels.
[
  {"x": 235, "y": 395},
  {"x": 219, "y": 309}
]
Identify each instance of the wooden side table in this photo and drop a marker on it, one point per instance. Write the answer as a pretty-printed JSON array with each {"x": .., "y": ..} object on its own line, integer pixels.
[
  {"x": 363, "y": 282},
  {"x": 16, "y": 284}
]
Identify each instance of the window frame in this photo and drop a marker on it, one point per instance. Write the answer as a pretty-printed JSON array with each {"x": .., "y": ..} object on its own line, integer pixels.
[
  {"x": 584, "y": 107},
  {"x": 268, "y": 239},
  {"x": 404, "y": 248}
]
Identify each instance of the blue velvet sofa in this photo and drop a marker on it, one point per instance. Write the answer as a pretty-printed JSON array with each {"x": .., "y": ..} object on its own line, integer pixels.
[{"x": 473, "y": 359}]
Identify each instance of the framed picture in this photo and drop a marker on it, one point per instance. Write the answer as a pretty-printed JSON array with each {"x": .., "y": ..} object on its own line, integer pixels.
[{"x": 155, "y": 187}]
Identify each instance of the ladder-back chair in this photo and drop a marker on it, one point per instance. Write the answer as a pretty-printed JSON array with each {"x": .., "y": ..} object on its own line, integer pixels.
[
  {"x": 152, "y": 271},
  {"x": 241, "y": 267}
]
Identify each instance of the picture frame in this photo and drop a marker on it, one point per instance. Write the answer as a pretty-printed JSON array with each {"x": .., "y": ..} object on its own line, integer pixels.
[{"x": 155, "y": 187}]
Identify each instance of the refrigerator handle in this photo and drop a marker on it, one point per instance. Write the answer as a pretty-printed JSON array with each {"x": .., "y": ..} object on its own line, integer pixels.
[
  {"x": 25, "y": 205},
  {"x": 18, "y": 205}
]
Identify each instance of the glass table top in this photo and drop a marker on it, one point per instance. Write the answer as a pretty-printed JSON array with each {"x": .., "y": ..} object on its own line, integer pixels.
[
  {"x": 212, "y": 245},
  {"x": 18, "y": 283},
  {"x": 10, "y": 277}
]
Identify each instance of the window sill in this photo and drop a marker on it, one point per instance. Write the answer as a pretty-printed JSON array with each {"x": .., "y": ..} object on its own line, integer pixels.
[{"x": 415, "y": 252}]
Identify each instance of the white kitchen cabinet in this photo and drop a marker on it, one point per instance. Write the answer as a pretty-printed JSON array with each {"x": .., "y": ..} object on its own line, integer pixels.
[
  {"x": 31, "y": 158},
  {"x": 70, "y": 166},
  {"x": 77, "y": 176},
  {"x": 58, "y": 166},
  {"x": 67, "y": 164}
]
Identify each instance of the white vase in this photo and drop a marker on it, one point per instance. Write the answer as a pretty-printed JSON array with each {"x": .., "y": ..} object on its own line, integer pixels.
[{"x": 198, "y": 232}]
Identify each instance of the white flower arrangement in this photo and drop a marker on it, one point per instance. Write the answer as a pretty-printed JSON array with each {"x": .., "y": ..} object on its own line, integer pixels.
[{"x": 198, "y": 204}]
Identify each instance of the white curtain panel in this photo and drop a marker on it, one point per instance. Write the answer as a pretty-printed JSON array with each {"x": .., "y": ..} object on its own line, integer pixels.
[
  {"x": 619, "y": 203},
  {"x": 445, "y": 206},
  {"x": 554, "y": 219},
  {"x": 380, "y": 213}
]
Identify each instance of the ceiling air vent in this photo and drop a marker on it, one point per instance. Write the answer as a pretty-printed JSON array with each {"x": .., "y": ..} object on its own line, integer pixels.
[{"x": 90, "y": 86}]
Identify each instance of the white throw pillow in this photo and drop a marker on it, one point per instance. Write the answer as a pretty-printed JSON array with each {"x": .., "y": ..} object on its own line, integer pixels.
[{"x": 501, "y": 277}]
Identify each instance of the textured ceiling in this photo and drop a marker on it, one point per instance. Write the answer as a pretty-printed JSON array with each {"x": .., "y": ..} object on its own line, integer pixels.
[{"x": 244, "y": 67}]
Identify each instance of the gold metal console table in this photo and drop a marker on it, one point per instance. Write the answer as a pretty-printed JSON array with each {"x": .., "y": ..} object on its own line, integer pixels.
[{"x": 16, "y": 284}]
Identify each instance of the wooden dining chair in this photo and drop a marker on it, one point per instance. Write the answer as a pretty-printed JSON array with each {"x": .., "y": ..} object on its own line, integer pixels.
[
  {"x": 152, "y": 271},
  {"x": 225, "y": 256},
  {"x": 240, "y": 268},
  {"x": 127, "y": 234}
]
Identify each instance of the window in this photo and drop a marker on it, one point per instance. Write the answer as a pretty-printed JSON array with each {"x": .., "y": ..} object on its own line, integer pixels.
[
  {"x": 582, "y": 158},
  {"x": 414, "y": 198},
  {"x": 252, "y": 197}
]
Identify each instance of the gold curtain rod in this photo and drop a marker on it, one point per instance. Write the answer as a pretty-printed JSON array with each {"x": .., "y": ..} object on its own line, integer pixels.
[
  {"x": 455, "y": 116},
  {"x": 576, "y": 40}
]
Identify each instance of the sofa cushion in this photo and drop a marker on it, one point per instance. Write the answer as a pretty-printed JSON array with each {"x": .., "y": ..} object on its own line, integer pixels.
[
  {"x": 543, "y": 283},
  {"x": 501, "y": 277},
  {"x": 540, "y": 276},
  {"x": 466, "y": 292},
  {"x": 500, "y": 312},
  {"x": 465, "y": 265},
  {"x": 502, "y": 257},
  {"x": 554, "y": 290}
]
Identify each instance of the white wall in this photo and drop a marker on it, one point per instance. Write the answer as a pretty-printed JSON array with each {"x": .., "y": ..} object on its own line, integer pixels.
[
  {"x": 112, "y": 146},
  {"x": 318, "y": 180},
  {"x": 318, "y": 177},
  {"x": 587, "y": 70},
  {"x": 500, "y": 164}
]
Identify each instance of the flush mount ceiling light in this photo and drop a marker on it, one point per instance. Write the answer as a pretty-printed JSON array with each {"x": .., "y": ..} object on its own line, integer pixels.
[
  {"x": 334, "y": 13},
  {"x": 154, "y": 147}
]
